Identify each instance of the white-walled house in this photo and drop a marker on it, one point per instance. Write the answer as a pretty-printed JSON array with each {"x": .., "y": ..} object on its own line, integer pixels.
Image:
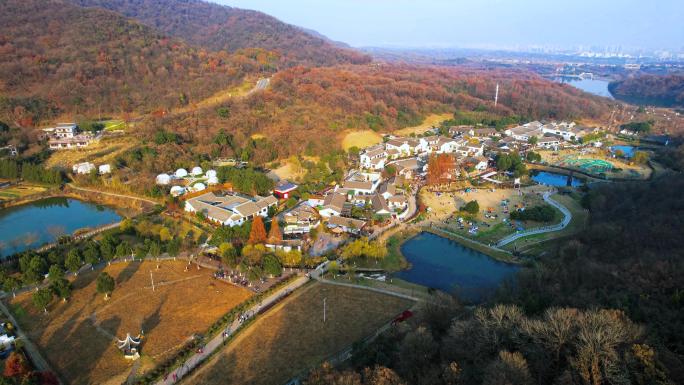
[
  {"x": 230, "y": 209},
  {"x": 373, "y": 158}
]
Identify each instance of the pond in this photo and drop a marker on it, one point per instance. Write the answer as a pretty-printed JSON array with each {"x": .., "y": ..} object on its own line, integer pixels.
[
  {"x": 43, "y": 221},
  {"x": 553, "y": 179},
  {"x": 447, "y": 265},
  {"x": 593, "y": 86},
  {"x": 627, "y": 151}
]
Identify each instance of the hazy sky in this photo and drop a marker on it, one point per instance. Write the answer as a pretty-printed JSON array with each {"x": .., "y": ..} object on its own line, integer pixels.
[{"x": 651, "y": 24}]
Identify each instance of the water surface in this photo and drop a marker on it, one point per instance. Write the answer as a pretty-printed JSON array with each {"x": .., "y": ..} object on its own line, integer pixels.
[
  {"x": 628, "y": 151},
  {"x": 447, "y": 265},
  {"x": 554, "y": 179},
  {"x": 593, "y": 86},
  {"x": 34, "y": 224}
]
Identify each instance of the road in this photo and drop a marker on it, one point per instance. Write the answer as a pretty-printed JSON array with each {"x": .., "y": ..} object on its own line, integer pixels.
[
  {"x": 567, "y": 217},
  {"x": 113, "y": 194}
]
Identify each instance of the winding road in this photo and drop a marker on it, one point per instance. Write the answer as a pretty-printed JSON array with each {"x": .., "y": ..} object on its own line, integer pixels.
[{"x": 567, "y": 217}]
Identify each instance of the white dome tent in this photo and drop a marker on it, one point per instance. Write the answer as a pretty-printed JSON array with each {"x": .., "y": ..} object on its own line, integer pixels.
[
  {"x": 199, "y": 187},
  {"x": 177, "y": 190},
  {"x": 211, "y": 174},
  {"x": 163, "y": 179},
  {"x": 181, "y": 173},
  {"x": 212, "y": 180},
  {"x": 196, "y": 171}
]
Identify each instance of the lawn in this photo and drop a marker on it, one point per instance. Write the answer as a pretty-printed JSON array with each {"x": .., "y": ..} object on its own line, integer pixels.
[
  {"x": 19, "y": 191},
  {"x": 429, "y": 122},
  {"x": 292, "y": 337},
  {"x": 360, "y": 139},
  {"x": 77, "y": 337}
]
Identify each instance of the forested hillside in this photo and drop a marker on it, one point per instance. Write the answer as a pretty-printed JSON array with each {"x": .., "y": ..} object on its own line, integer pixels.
[
  {"x": 666, "y": 91},
  {"x": 58, "y": 58},
  {"x": 308, "y": 110},
  {"x": 218, "y": 27}
]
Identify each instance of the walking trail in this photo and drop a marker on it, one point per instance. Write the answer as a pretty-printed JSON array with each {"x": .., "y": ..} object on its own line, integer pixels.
[{"x": 567, "y": 217}]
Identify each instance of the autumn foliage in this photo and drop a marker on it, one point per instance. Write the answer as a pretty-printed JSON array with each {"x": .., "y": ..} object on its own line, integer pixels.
[
  {"x": 441, "y": 169},
  {"x": 258, "y": 232},
  {"x": 274, "y": 234},
  {"x": 16, "y": 365}
]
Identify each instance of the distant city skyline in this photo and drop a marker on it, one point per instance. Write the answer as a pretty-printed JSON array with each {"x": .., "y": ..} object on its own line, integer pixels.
[{"x": 488, "y": 24}]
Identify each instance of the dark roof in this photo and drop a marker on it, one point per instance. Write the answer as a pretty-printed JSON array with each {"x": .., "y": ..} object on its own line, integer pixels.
[{"x": 285, "y": 186}]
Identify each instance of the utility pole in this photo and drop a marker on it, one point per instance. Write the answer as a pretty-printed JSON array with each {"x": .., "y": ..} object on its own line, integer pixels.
[
  {"x": 496, "y": 95},
  {"x": 324, "y": 308},
  {"x": 152, "y": 279}
]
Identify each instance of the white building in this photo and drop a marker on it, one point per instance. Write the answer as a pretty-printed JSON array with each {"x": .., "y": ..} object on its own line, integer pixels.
[
  {"x": 163, "y": 179},
  {"x": 230, "y": 209},
  {"x": 104, "y": 169},
  {"x": 83, "y": 168},
  {"x": 373, "y": 158}
]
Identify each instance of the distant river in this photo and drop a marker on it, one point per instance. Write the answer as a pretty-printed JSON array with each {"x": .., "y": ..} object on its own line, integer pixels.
[
  {"x": 593, "y": 86},
  {"x": 447, "y": 265},
  {"x": 40, "y": 222}
]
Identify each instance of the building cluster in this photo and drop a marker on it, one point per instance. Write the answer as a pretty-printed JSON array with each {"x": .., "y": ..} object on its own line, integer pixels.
[
  {"x": 552, "y": 135},
  {"x": 230, "y": 209},
  {"x": 66, "y": 136},
  {"x": 184, "y": 181}
]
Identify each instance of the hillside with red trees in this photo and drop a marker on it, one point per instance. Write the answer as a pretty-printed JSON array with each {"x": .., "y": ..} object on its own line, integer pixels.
[
  {"x": 664, "y": 91},
  {"x": 308, "y": 110},
  {"x": 217, "y": 27},
  {"x": 58, "y": 58}
]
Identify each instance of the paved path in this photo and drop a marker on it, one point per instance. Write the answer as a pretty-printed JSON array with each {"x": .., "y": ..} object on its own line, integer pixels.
[
  {"x": 375, "y": 289},
  {"x": 567, "y": 217},
  {"x": 217, "y": 342},
  {"x": 113, "y": 194},
  {"x": 34, "y": 354}
]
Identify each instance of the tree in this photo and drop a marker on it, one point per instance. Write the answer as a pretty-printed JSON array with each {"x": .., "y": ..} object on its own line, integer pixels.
[
  {"x": 173, "y": 247},
  {"x": 155, "y": 250},
  {"x": 73, "y": 261},
  {"x": 91, "y": 254},
  {"x": 165, "y": 234},
  {"x": 62, "y": 288},
  {"x": 16, "y": 365},
  {"x": 42, "y": 298},
  {"x": 228, "y": 254},
  {"x": 108, "y": 247},
  {"x": 55, "y": 273},
  {"x": 640, "y": 157},
  {"x": 105, "y": 284},
  {"x": 440, "y": 168},
  {"x": 123, "y": 249},
  {"x": 471, "y": 207},
  {"x": 274, "y": 234},
  {"x": 272, "y": 265},
  {"x": 258, "y": 232},
  {"x": 508, "y": 369}
]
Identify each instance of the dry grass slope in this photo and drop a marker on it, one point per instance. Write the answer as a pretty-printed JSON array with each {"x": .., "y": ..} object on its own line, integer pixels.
[
  {"x": 76, "y": 337},
  {"x": 292, "y": 337}
]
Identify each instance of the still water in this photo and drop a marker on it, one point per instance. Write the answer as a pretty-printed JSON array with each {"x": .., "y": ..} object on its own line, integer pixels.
[
  {"x": 43, "y": 221},
  {"x": 553, "y": 179},
  {"x": 593, "y": 86},
  {"x": 447, "y": 265}
]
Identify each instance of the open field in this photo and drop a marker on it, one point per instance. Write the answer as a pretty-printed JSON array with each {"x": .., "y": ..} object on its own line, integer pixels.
[
  {"x": 292, "y": 337},
  {"x": 445, "y": 205},
  {"x": 292, "y": 169},
  {"x": 429, "y": 122},
  {"x": 99, "y": 152},
  {"x": 77, "y": 337},
  {"x": 360, "y": 139},
  {"x": 19, "y": 191},
  {"x": 113, "y": 125}
]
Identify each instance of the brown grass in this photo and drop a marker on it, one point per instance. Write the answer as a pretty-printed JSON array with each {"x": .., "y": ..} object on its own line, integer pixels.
[
  {"x": 292, "y": 337},
  {"x": 76, "y": 336},
  {"x": 430, "y": 120},
  {"x": 20, "y": 191},
  {"x": 360, "y": 139},
  {"x": 99, "y": 152}
]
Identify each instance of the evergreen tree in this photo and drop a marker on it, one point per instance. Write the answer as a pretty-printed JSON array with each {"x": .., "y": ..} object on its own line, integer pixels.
[{"x": 105, "y": 284}]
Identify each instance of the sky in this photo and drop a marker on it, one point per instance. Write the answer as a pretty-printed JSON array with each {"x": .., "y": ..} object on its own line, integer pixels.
[{"x": 496, "y": 24}]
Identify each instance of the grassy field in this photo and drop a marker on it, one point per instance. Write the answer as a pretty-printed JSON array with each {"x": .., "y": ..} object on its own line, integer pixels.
[
  {"x": 77, "y": 337},
  {"x": 219, "y": 97},
  {"x": 112, "y": 125},
  {"x": 429, "y": 122},
  {"x": 360, "y": 139},
  {"x": 292, "y": 337},
  {"x": 20, "y": 191}
]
